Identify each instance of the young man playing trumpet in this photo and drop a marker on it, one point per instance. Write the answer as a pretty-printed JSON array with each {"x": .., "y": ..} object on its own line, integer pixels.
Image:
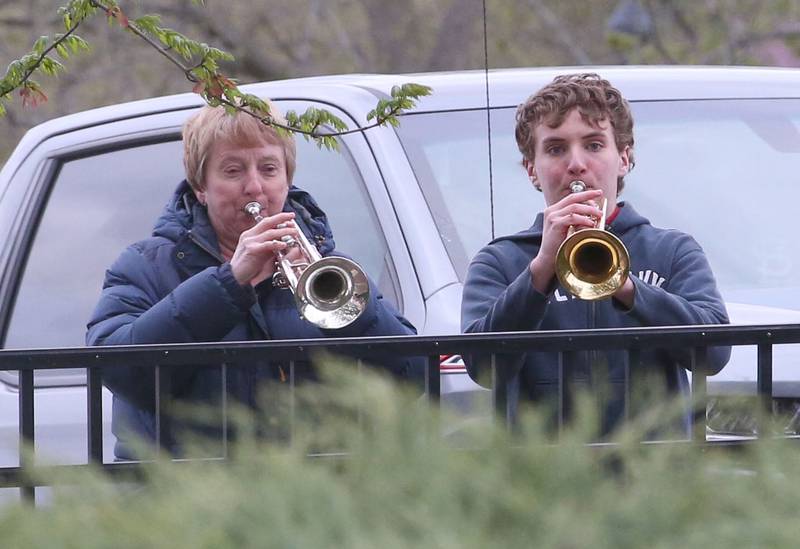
[{"x": 580, "y": 128}]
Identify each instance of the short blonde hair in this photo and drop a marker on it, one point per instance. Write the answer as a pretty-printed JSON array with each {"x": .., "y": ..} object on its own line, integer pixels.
[{"x": 212, "y": 124}]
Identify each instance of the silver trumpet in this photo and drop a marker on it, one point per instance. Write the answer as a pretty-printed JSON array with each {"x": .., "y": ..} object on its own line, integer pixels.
[{"x": 331, "y": 292}]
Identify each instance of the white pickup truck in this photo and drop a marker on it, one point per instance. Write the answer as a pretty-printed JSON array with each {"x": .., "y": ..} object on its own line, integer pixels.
[{"x": 717, "y": 150}]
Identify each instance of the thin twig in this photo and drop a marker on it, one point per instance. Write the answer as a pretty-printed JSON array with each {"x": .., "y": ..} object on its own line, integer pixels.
[
  {"x": 187, "y": 71},
  {"x": 45, "y": 53}
]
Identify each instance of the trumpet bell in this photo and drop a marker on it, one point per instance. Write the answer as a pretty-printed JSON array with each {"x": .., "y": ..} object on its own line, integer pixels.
[
  {"x": 592, "y": 264},
  {"x": 332, "y": 292}
]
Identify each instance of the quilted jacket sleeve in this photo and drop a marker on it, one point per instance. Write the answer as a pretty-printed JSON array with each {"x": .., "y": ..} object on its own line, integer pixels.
[{"x": 136, "y": 307}]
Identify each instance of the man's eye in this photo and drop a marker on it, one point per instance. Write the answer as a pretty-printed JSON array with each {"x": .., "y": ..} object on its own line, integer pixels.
[
  {"x": 555, "y": 150},
  {"x": 269, "y": 168},
  {"x": 596, "y": 146}
]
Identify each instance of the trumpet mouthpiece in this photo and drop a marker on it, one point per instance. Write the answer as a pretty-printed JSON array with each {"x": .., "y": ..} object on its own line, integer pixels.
[
  {"x": 577, "y": 186},
  {"x": 252, "y": 208}
]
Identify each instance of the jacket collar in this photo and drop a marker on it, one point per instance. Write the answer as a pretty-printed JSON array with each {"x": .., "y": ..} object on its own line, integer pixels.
[
  {"x": 627, "y": 218},
  {"x": 185, "y": 221}
]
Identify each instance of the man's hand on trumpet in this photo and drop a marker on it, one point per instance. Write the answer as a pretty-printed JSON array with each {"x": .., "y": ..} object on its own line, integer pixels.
[{"x": 577, "y": 210}]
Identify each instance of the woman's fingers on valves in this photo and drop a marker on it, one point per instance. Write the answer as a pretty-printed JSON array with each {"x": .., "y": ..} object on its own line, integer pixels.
[{"x": 273, "y": 222}]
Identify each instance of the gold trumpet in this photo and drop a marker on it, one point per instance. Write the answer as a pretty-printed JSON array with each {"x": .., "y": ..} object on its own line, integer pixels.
[
  {"x": 331, "y": 292},
  {"x": 592, "y": 263}
]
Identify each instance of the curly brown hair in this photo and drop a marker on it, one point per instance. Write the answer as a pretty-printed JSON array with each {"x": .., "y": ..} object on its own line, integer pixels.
[{"x": 594, "y": 97}]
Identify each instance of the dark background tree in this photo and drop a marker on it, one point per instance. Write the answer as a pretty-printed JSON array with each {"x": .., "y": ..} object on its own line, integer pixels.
[{"x": 274, "y": 39}]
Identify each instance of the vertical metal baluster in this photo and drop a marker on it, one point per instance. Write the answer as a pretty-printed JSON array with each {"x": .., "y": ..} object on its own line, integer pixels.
[
  {"x": 292, "y": 404},
  {"x": 225, "y": 418},
  {"x": 561, "y": 393},
  {"x": 94, "y": 414},
  {"x": 432, "y": 379},
  {"x": 764, "y": 384},
  {"x": 163, "y": 391},
  {"x": 565, "y": 358},
  {"x": 26, "y": 430},
  {"x": 699, "y": 362},
  {"x": 360, "y": 418},
  {"x": 634, "y": 364},
  {"x": 433, "y": 392},
  {"x": 500, "y": 392}
]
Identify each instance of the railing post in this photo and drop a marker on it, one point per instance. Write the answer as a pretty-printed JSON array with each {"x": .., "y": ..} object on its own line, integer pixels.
[
  {"x": 500, "y": 391},
  {"x": 26, "y": 430},
  {"x": 565, "y": 358},
  {"x": 94, "y": 414},
  {"x": 292, "y": 403},
  {"x": 225, "y": 416},
  {"x": 163, "y": 391},
  {"x": 764, "y": 386},
  {"x": 433, "y": 392},
  {"x": 699, "y": 363},
  {"x": 633, "y": 365},
  {"x": 432, "y": 382}
]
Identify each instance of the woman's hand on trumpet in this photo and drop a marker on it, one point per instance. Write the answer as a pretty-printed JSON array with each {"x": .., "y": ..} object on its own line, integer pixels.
[
  {"x": 254, "y": 258},
  {"x": 578, "y": 210}
]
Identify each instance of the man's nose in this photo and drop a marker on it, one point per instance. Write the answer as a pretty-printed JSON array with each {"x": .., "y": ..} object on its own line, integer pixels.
[{"x": 576, "y": 162}]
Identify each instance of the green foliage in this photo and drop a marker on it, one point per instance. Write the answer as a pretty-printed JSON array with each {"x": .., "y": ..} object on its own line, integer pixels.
[
  {"x": 40, "y": 58},
  {"x": 402, "y": 98},
  {"x": 402, "y": 486},
  {"x": 198, "y": 61}
]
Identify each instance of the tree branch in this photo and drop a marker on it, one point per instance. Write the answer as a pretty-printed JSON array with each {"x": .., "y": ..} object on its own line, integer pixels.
[
  {"x": 31, "y": 69},
  {"x": 215, "y": 88}
]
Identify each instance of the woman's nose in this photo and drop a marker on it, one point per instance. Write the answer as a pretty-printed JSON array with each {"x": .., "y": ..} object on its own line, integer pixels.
[{"x": 252, "y": 183}]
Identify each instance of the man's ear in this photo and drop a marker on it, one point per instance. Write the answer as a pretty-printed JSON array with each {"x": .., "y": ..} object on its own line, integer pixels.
[
  {"x": 531, "y": 169},
  {"x": 625, "y": 164},
  {"x": 201, "y": 197}
]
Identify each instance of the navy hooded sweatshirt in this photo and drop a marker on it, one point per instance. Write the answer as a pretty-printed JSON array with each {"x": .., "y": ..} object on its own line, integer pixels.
[
  {"x": 674, "y": 286},
  {"x": 175, "y": 287}
]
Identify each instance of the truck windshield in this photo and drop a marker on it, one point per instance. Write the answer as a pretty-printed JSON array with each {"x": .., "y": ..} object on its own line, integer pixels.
[{"x": 723, "y": 171}]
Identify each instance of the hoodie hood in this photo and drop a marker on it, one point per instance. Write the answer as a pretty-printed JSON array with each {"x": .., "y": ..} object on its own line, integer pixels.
[
  {"x": 183, "y": 214},
  {"x": 627, "y": 219}
]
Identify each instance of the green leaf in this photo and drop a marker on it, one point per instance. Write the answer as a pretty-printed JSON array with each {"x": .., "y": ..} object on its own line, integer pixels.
[
  {"x": 62, "y": 51},
  {"x": 148, "y": 23},
  {"x": 51, "y": 67},
  {"x": 40, "y": 45},
  {"x": 76, "y": 43}
]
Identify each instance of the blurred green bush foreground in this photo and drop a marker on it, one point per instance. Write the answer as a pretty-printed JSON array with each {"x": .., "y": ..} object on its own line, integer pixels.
[{"x": 401, "y": 486}]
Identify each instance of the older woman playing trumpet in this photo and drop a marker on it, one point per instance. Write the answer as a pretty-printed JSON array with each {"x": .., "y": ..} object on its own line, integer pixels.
[{"x": 205, "y": 273}]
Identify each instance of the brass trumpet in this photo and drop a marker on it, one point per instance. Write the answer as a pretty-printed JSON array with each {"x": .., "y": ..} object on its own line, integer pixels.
[
  {"x": 592, "y": 263},
  {"x": 331, "y": 292}
]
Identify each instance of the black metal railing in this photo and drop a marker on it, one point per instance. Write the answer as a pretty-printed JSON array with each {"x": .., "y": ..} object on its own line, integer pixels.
[{"x": 163, "y": 357}]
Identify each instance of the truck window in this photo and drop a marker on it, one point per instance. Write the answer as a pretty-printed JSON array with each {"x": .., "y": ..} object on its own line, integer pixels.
[
  {"x": 99, "y": 204},
  {"x": 333, "y": 179}
]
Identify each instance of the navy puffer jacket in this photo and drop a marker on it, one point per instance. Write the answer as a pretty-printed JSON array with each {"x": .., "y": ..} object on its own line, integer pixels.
[{"x": 175, "y": 287}]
